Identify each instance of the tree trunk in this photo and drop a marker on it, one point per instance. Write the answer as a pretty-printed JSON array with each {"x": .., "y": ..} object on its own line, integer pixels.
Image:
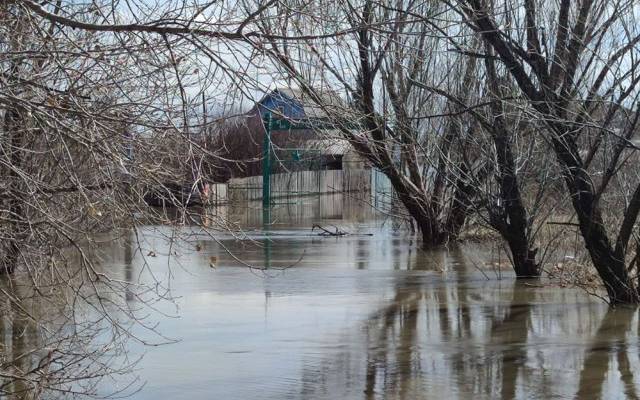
[
  {"x": 418, "y": 209},
  {"x": 460, "y": 205},
  {"x": 13, "y": 152},
  {"x": 511, "y": 220},
  {"x": 515, "y": 223},
  {"x": 611, "y": 267},
  {"x": 524, "y": 259},
  {"x": 621, "y": 288}
]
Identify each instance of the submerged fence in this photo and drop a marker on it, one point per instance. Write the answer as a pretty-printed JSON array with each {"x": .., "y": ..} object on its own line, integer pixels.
[{"x": 301, "y": 183}]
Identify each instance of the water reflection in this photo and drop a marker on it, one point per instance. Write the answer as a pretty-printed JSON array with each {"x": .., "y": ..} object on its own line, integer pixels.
[
  {"x": 299, "y": 211},
  {"x": 453, "y": 342},
  {"x": 611, "y": 351},
  {"x": 378, "y": 318},
  {"x": 22, "y": 357},
  {"x": 16, "y": 334},
  {"x": 359, "y": 317}
]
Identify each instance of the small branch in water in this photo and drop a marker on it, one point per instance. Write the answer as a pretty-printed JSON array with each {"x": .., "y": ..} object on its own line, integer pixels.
[
  {"x": 562, "y": 223},
  {"x": 326, "y": 232},
  {"x": 476, "y": 266}
]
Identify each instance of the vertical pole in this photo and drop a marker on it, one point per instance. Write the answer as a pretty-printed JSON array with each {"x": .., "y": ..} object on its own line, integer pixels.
[
  {"x": 203, "y": 186},
  {"x": 266, "y": 162},
  {"x": 266, "y": 186},
  {"x": 204, "y": 116},
  {"x": 375, "y": 186},
  {"x": 267, "y": 251}
]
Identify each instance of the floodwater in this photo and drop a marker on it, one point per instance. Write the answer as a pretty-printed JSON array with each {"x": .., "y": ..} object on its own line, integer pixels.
[{"x": 365, "y": 316}]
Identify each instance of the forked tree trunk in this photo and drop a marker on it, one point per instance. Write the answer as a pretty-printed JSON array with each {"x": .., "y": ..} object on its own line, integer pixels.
[{"x": 434, "y": 229}]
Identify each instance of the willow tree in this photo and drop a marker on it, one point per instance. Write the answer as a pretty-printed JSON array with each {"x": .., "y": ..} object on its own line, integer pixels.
[
  {"x": 574, "y": 62},
  {"x": 379, "y": 57},
  {"x": 422, "y": 104}
]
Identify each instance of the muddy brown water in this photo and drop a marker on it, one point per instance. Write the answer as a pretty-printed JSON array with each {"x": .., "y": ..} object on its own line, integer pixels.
[{"x": 365, "y": 317}]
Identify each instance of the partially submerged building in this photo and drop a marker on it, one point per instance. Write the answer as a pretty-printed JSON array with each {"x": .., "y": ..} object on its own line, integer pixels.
[{"x": 321, "y": 145}]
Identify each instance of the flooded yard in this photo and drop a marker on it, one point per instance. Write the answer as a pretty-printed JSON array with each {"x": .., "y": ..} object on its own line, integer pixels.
[
  {"x": 139, "y": 140},
  {"x": 364, "y": 316}
]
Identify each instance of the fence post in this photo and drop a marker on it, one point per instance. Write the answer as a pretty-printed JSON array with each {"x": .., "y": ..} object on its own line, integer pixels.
[{"x": 266, "y": 162}]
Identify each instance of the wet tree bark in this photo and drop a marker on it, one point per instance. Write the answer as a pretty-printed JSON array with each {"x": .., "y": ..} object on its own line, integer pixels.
[{"x": 514, "y": 224}]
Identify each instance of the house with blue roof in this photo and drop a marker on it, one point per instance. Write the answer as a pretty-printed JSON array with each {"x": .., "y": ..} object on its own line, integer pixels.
[{"x": 329, "y": 148}]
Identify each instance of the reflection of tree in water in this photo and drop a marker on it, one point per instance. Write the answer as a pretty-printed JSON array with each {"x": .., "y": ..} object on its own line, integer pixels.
[
  {"x": 129, "y": 251},
  {"x": 18, "y": 361},
  {"x": 392, "y": 332},
  {"x": 447, "y": 339},
  {"x": 609, "y": 342},
  {"x": 362, "y": 252},
  {"x": 52, "y": 347},
  {"x": 511, "y": 332},
  {"x": 390, "y": 369}
]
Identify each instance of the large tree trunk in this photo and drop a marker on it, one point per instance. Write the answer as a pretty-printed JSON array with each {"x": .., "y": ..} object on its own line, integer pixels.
[
  {"x": 610, "y": 266},
  {"x": 416, "y": 205},
  {"x": 511, "y": 218},
  {"x": 523, "y": 257},
  {"x": 514, "y": 224}
]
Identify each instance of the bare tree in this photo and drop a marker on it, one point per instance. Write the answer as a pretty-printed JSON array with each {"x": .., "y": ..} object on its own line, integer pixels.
[
  {"x": 97, "y": 108},
  {"x": 374, "y": 54},
  {"x": 574, "y": 64},
  {"x": 508, "y": 213}
]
